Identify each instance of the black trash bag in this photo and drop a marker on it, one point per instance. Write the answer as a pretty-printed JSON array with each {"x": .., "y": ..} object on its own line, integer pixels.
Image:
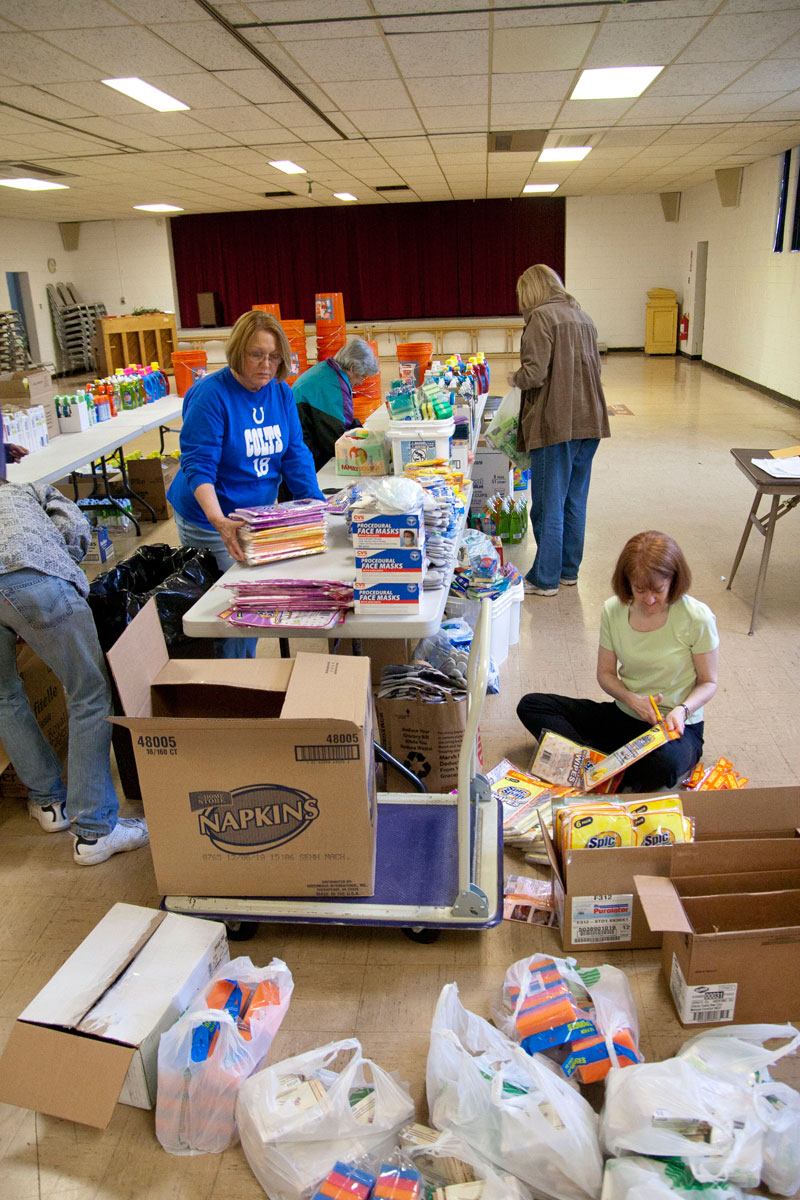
[{"x": 176, "y": 595}]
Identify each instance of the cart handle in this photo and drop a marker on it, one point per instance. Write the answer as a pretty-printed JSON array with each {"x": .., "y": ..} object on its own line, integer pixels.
[{"x": 478, "y": 678}]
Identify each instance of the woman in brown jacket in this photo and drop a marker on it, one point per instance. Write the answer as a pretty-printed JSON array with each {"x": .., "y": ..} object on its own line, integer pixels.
[{"x": 562, "y": 418}]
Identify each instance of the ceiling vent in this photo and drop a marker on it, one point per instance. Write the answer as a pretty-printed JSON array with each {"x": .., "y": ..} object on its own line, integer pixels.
[
  {"x": 392, "y": 187},
  {"x": 517, "y": 141},
  {"x": 275, "y": 195},
  {"x": 18, "y": 170},
  {"x": 574, "y": 139}
]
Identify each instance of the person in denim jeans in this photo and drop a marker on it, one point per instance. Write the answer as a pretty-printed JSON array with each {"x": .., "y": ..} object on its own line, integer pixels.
[{"x": 42, "y": 600}]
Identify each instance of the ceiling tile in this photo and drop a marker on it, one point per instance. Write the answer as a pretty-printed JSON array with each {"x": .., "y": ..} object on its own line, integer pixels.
[
  {"x": 769, "y": 77},
  {"x": 452, "y": 119},
  {"x": 418, "y": 56},
  {"x": 448, "y": 90},
  {"x": 578, "y": 113},
  {"x": 306, "y": 10},
  {"x": 787, "y": 106},
  {"x": 668, "y": 109},
  {"x": 516, "y": 88},
  {"x": 317, "y": 31},
  {"x": 631, "y": 137},
  {"x": 23, "y": 59},
  {"x": 201, "y": 90},
  {"x": 201, "y": 141},
  {"x": 126, "y": 50},
  {"x": 659, "y": 9},
  {"x": 232, "y": 120},
  {"x": 368, "y": 93},
  {"x": 162, "y": 123},
  {"x": 207, "y": 44},
  {"x": 695, "y": 79},
  {"x": 36, "y": 100},
  {"x": 443, "y": 24},
  {"x": 376, "y": 122},
  {"x": 749, "y": 36},
  {"x": 345, "y": 58},
  {"x": 259, "y": 86},
  {"x": 527, "y": 116},
  {"x": 734, "y": 105},
  {"x": 62, "y": 14},
  {"x": 641, "y": 43},
  {"x": 545, "y": 48},
  {"x": 151, "y": 12},
  {"x": 579, "y": 15}
]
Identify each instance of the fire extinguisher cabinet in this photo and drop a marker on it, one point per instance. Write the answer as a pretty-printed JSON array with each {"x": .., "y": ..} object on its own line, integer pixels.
[{"x": 661, "y": 322}]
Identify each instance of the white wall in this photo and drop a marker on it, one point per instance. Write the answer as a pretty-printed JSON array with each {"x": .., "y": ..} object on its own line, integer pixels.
[
  {"x": 113, "y": 259},
  {"x": 617, "y": 249}
]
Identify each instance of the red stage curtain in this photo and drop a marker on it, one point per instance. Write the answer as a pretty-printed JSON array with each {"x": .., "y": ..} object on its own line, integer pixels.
[{"x": 457, "y": 258}]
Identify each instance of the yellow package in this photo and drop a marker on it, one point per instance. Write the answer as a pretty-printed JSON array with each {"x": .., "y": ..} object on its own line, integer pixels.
[
  {"x": 588, "y": 807},
  {"x": 595, "y": 831},
  {"x": 656, "y": 828},
  {"x": 655, "y": 804}
]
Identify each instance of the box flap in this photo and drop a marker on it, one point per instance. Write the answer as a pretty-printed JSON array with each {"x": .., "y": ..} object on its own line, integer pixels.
[
  {"x": 550, "y": 849},
  {"x": 59, "y": 1073},
  {"x": 99, "y": 960},
  {"x": 735, "y": 856},
  {"x": 661, "y": 904},
  {"x": 136, "y": 658},
  {"x": 327, "y": 686},
  {"x": 261, "y": 674}
]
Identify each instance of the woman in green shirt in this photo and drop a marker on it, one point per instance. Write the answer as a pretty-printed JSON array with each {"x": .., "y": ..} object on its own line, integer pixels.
[{"x": 655, "y": 640}]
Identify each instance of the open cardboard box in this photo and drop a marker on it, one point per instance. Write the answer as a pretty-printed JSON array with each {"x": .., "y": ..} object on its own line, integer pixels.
[
  {"x": 90, "y": 1037},
  {"x": 597, "y": 903},
  {"x": 731, "y": 934},
  {"x": 257, "y": 775}
]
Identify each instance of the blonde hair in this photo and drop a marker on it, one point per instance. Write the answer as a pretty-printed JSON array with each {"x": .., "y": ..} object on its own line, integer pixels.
[
  {"x": 539, "y": 284},
  {"x": 249, "y": 323}
]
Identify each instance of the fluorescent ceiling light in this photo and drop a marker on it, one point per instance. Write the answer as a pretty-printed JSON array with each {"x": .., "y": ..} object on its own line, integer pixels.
[
  {"x": 565, "y": 154},
  {"x": 158, "y": 207},
  {"x": 612, "y": 83},
  {"x": 345, "y": 196},
  {"x": 288, "y": 167},
  {"x": 540, "y": 187},
  {"x": 145, "y": 93},
  {"x": 33, "y": 185}
]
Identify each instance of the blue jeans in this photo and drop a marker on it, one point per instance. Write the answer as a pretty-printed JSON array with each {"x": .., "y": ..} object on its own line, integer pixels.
[
  {"x": 56, "y": 622},
  {"x": 560, "y": 478},
  {"x": 203, "y": 538}
]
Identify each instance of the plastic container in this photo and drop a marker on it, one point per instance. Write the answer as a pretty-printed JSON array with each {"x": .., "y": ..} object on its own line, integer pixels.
[
  {"x": 505, "y": 619},
  {"x": 418, "y": 352},
  {"x": 296, "y": 337},
  {"x": 368, "y": 396},
  {"x": 275, "y": 309},
  {"x": 331, "y": 332},
  {"x": 517, "y": 594},
  {"x": 182, "y": 363},
  {"x": 416, "y": 441}
]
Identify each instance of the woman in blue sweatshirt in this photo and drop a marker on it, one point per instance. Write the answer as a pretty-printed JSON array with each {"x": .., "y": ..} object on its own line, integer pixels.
[{"x": 240, "y": 435}]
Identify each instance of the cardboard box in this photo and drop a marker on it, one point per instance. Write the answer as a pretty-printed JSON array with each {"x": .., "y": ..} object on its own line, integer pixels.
[
  {"x": 595, "y": 896},
  {"x": 730, "y": 918},
  {"x": 150, "y": 478},
  {"x": 257, "y": 776},
  {"x": 426, "y": 738},
  {"x": 491, "y": 472},
  {"x": 90, "y": 1037},
  {"x": 101, "y": 548},
  {"x": 46, "y": 696},
  {"x": 14, "y": 393}
]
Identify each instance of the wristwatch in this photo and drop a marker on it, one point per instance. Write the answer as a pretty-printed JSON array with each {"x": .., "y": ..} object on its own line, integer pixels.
[{"x": 687, "y": 710}]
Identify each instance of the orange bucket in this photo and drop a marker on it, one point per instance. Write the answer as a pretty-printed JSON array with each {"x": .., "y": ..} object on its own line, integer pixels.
[
  {"x": 329, "y": 308},
  {"x": 418, "y": 352},
  {"x": 275, "y": 309},
  {"x": 183, "y": 362},
  {"x": 368, "y": 396},
  {"x": 296, "y": 336}
]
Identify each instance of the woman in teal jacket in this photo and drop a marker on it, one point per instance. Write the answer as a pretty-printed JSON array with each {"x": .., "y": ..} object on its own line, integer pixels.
[{"x": 324, "y": 396}]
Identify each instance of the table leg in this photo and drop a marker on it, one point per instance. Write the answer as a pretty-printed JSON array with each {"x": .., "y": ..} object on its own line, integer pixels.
[
  {"x": 128, "y": 490},
  {"x": 113, "y": 500},
  {"x": 748, "y": 525},
  {"x": 762, "y": 572}
]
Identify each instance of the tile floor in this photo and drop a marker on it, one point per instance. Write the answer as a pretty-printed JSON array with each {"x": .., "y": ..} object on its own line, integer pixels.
[{"x": 667, "y": 465}]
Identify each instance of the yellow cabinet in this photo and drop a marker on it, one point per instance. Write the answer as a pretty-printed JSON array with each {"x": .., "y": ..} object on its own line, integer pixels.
[{"x": 661, "y": 323}]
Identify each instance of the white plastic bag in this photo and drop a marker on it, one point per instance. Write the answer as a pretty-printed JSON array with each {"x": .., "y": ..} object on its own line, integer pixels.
[
  {"x": 209, "y": 1051},
  {"x": 779, "y": 1108},
  {"x": 515, "y": 1109},
  {"x": 671, "y": 1109},
  {"x": 645, "y": 1179},
  {"x": 602, "y": 996},
  {"x": 497, "y": 1185},
  {"x": 289, "y": 1151},
  {"x": 502, "y": 430}
]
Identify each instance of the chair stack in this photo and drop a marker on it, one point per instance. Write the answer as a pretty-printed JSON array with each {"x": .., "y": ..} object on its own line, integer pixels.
[
  {"x": 73, "y": 325},
  {"x": 14, "y": 355}
]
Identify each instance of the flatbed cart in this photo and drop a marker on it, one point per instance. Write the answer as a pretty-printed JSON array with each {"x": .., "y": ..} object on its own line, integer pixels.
[{"x": 438, "y": 857}]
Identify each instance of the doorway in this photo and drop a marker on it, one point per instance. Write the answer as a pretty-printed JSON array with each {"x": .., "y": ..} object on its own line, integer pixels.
[
  {"x": 19, "y": 294},
  {"x": 699, "y": 314}
]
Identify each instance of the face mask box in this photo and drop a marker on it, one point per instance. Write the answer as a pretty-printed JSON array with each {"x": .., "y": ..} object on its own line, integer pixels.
[
  {"x": 257, "y": 776},
  {"x": 90, "y": 1037}
]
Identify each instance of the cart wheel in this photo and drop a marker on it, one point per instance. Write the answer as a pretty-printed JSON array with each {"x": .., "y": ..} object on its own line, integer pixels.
[
  {"x": 420, "y": 934},
  {"x": 241, "y": 931}
]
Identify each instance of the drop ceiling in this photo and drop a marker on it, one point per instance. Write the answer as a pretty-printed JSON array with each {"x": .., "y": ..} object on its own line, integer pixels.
[{"x": 377, "y": 94}]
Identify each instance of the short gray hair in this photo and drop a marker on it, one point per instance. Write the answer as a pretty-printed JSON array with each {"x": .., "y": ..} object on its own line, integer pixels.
[{"x": 359, "y": 357}]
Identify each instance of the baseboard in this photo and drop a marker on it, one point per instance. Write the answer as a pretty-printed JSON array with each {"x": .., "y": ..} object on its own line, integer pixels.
[{"x": 792, "y": 401}]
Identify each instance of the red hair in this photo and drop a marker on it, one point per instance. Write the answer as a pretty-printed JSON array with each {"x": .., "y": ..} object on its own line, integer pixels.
[{"x": 651, "y": 558}]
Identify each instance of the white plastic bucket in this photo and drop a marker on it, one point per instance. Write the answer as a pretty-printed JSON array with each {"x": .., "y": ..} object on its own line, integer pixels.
[
  {"x": 517, "y": 594},
  {"x": 505, "y": 614},
  {"x": 416, "y": 441}
]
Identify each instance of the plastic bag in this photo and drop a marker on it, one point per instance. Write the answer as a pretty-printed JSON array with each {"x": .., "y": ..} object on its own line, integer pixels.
[
  {"x": 502, "y": 430},
  {"x": 549, "y": 1002},
  {"x": 221, "y": 1039},
  {"x": 517, "y": 1110},
  {"x": 779, "y": 1107},
  {"x": 671, "y": 1109},
  {"x": 445, "y": 1158},
  {"x": 645, "y": 1179},
  {"x": 290, "y": 1147}
]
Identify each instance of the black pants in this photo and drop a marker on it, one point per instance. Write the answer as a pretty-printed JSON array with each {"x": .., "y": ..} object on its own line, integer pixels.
[{"x": 604, "y": 726}]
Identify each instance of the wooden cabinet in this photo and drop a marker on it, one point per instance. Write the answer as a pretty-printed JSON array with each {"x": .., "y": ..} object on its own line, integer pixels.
[
  {"x": 120, "y": 341},
  {"x": 661, "y": 323}
]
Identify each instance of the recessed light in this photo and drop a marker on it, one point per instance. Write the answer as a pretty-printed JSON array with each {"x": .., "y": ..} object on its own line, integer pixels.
[
  {"x": 288, "y": 167},
  {"x": 345, "y": 196},
  {"x": 565, "y": 154},
  {"x": 158, "y": 207},
  {"x": 145, "y": 93},
  {"x": 32, "y": 185},
  {"x": 614, "y": 83},
  {"x": 540, "y": 187}
]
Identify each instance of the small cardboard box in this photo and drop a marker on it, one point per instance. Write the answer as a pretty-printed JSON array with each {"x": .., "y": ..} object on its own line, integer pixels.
[
  {"x": 597, "y": 902},
  {"x": 150, "y": 478},
  {"x": 15, "y": 394},
  {"x": 46, "y": 697},
  {"x": 730, "y": 917},
  {"x": 90, "y": 1037},
  {"x": 257, "y": 776},
  {"x": 491, "y": 472}
]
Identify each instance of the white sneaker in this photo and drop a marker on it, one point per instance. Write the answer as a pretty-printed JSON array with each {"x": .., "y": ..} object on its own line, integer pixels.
[
  {"x": 530, "y": 589},
  {"x": 52, "y": 817},
  {"x": 129, "y": 833},
  {"x": 568, "y": 582}
]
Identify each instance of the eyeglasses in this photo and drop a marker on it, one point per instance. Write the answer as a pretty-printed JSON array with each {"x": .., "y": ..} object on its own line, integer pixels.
[{"x": 258, "y": 356}]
